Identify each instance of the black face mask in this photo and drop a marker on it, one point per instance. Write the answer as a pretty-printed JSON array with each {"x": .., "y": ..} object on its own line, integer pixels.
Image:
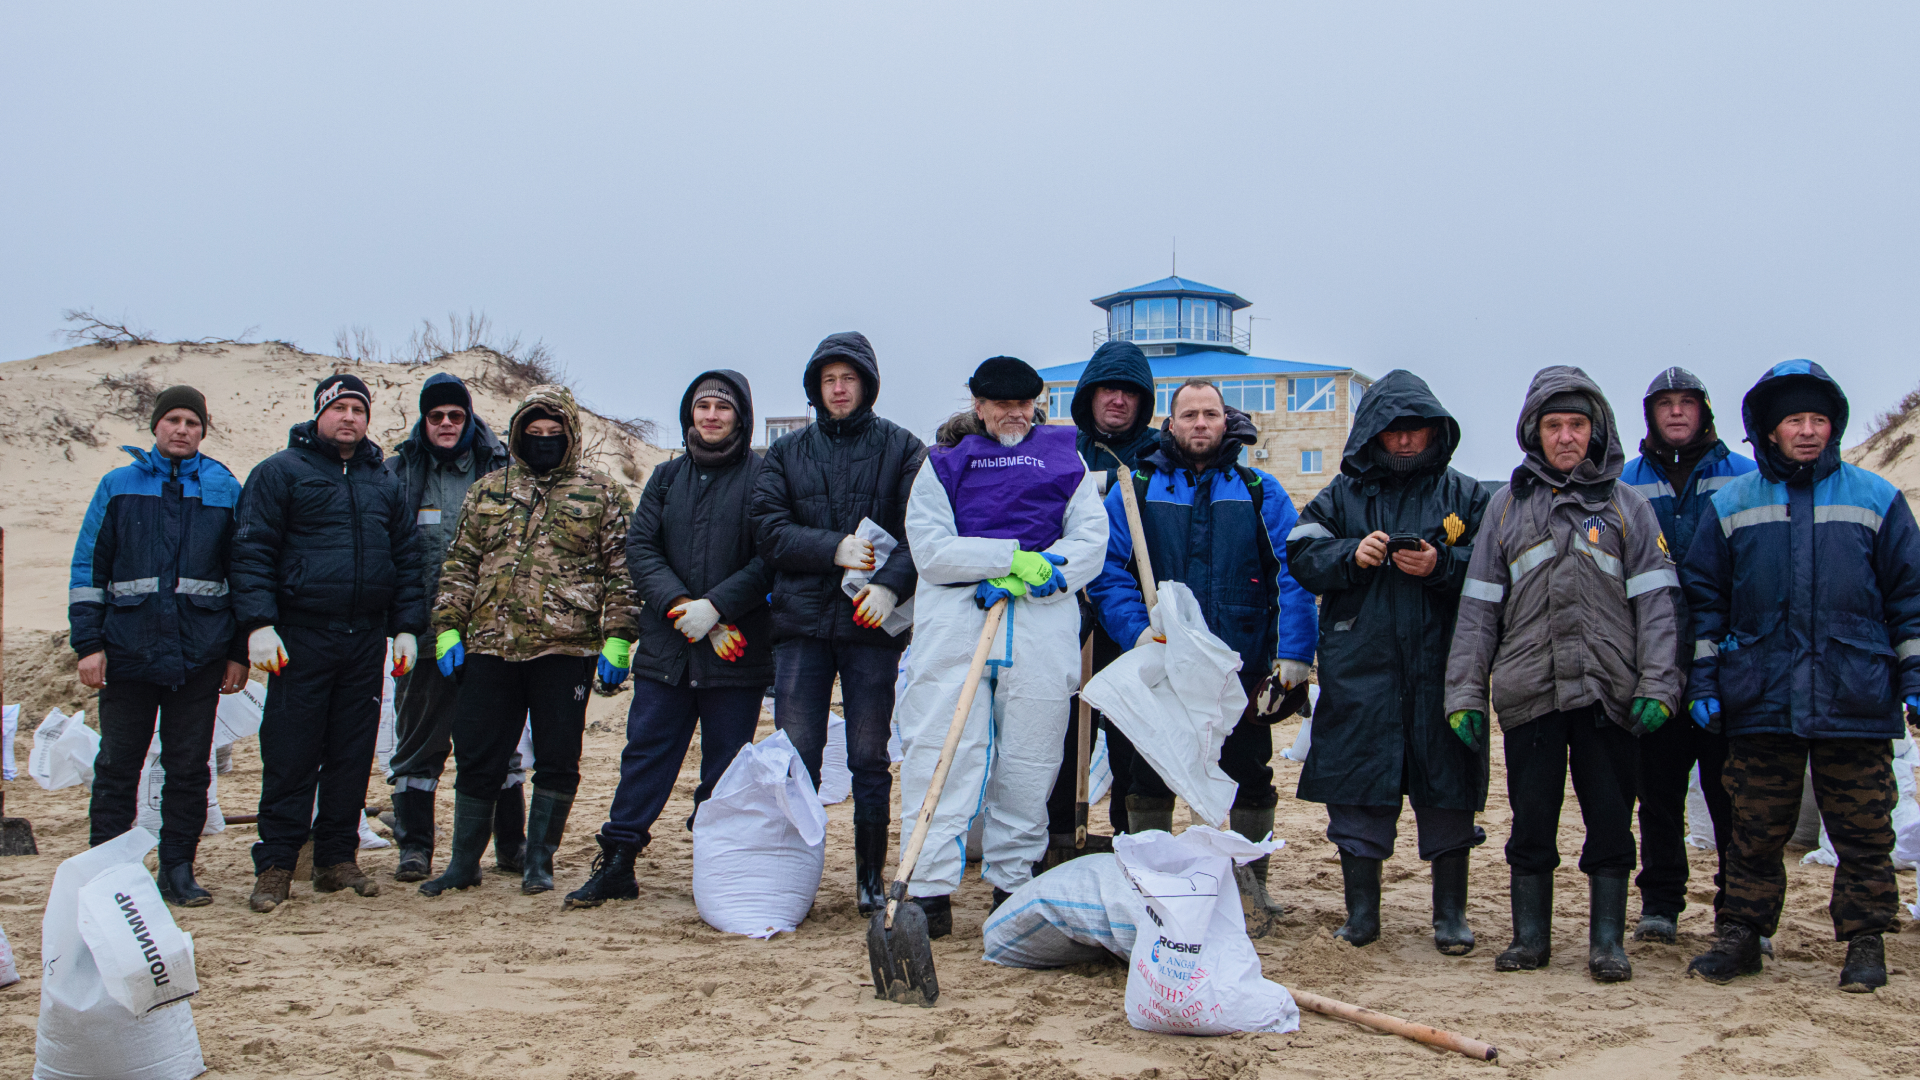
[{"x": 543, "y": 453}]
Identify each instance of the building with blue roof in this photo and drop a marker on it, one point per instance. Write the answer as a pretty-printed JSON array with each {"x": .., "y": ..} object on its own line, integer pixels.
[{"x": 1188, "y": 331}]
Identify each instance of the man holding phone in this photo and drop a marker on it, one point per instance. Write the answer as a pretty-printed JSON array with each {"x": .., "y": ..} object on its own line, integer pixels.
[{"x": 1386, "y": 547}]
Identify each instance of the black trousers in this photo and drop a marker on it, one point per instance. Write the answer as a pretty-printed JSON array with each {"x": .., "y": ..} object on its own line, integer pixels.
[
  {"x": 1065, "y": 786},
  {"x": 1246, "y": 756},
  {"x": 1600, "y": 754},
  {"x": 659, "y": 729},
  {"x": 424, "y": 704},
  {"x": 317, "y": 732},
  {"x": 1664, "y": 763},
  {"x": 499, "y": 699},
  {"x": 127, "y": 713}
]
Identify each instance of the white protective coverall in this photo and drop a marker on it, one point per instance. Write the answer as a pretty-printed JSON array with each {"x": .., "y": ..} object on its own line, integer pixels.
[{"x": 1009, "y": 753}]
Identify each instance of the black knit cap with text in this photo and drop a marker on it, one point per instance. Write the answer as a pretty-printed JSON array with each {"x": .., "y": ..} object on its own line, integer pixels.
[{"x": 339, "y": 385}]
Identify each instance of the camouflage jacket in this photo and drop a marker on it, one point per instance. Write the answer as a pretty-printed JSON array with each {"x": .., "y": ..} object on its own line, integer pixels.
[{"x": 538, "y": 563}]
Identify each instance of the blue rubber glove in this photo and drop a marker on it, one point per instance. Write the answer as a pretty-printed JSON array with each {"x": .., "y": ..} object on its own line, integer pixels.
[
  {"x": 615, "y": 659},
  {"x": 1913, "y": 712},
  {"x": 448, "y": 653},
  {"x": 1056, "y": 581},
  {"x": 1704, "y": 710},
  {"x": 994, "y": 590}
]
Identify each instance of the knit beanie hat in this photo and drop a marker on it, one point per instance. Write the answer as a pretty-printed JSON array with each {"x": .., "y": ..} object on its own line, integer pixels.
[
  {"x": 442, "y": 389},
  {"x": 337, "y": 386},
  {"x": 717, "y": 388},
  {"x": 179, "y": 397},
  {"x": 1006, "y": 378},
  {"x": 1791, "y": 394},
  {"x": 1569, "y": 401}
]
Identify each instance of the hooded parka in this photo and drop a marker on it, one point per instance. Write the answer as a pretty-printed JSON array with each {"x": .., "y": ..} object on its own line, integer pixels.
[
  {"x": 1116, "y": 363},
  {"x": 692, "y": 536},
  {"x": 1379, "y": 728},
  {"x": 436, "y": 487},
  {"x": 538, "y": 564},
  {"x": 1568, "y": 600},
  {"x": 814, "y": 487},
  {"x": 1805, "y": 588}
]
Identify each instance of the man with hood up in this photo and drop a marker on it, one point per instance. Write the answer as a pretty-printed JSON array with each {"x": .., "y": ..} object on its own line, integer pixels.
[
  {"x": 1003, "y": 509},
  {"x": 534, "y": 594},
  {"x": 450, "y": 448},
  {"x": 705, "y": 651},
  {"x": 1113, "y": 412},
  {"x": 814, "y": 489},
  {"x": 1682, "y": 463},
  {"x": 1221, "y": 528},
  {"x": 1386, "y": 621},
  {"x": 1567, "y": 611},
  {"x": 325, "y": 565},
  {"x": 1804, "y": 580}
]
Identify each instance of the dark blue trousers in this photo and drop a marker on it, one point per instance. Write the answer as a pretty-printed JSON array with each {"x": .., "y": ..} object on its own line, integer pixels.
[
  {"x": 804, "y": 669},
  {"x": 659, "y": 729}
]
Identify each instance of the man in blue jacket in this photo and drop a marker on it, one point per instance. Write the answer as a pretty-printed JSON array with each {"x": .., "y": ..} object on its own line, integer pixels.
[
  {"x": 1221, "y": 528},
  {"x": 1804, "y": 581},
  {"x": 1682, "y": 463},
  {"x": 147, "y": 608}
]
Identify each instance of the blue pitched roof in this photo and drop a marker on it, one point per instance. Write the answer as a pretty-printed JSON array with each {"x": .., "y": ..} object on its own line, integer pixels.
[
  {"x": 1203, "y": 364},
  {"x": 1170, "y": 286}
]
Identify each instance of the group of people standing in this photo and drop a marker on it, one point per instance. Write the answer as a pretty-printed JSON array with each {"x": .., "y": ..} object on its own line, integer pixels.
[{"x": 1584, "y": 605}]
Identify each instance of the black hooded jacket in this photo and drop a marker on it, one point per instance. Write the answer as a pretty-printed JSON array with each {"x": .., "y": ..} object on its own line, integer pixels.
[
  {"x": 422, "y": 474},
  {"x": 814, "y": 487},
  {"x": 326, "y": 543},
  {"x": 691, "y": 535},
  {"x": 1379, "y": 731},
  {"x": 1117, "y": 363}
]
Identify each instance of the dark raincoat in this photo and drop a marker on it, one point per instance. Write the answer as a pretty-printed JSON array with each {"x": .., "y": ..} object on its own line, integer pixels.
[{"x": 1379, "y": 729}]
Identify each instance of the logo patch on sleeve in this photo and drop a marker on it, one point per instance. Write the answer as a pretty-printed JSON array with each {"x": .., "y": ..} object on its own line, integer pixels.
[{"x": 1455, "y": 528}]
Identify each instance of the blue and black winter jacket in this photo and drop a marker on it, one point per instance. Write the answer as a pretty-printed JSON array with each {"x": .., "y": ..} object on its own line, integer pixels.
[
  {"x": 1680, "y": 511},
  {"x": 149, "y": 579},
  {"x": 1205, "y": 532},
  {"x": 1805, "y": 592}
]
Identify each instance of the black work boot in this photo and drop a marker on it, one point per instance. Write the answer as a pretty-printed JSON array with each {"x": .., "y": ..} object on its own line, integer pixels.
[
  {"x": 1653, "y": 926},
  {"x": 1259, "y": 904},
  {"x": 472, "y": 827},
  {"x": 611, "y": 879},
  {"x": 413, "y": 833},
  {"x": 1606, "y": 929},
  {"x": 869, "y": 859},
  {"x": 178, "y": 888},
  {"x": 1145, "y": 814},
  {"x": 510, "y": 830},
  {"x": 1735, "y": 951},
  {"x": 1000, "y": 896},
  {"x": 1866, "y": 968},
  {"x": 1532, "y": 899},
  {"x": 939, "y": 910},
  {"x": 1362, "y": 880},
  {"x": 546, "y": 823},
  {"x": 1451, "y": 934}
]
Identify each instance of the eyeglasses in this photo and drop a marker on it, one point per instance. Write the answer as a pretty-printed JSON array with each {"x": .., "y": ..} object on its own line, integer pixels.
[{"x": 442, "y": 417}]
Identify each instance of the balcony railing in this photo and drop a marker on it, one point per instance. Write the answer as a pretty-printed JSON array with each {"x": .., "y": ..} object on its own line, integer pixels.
[{"x": 1182, "y": 332}]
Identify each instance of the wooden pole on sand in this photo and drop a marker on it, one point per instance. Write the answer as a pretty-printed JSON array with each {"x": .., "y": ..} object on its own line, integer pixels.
[{"x": 1393, "y": 1025}]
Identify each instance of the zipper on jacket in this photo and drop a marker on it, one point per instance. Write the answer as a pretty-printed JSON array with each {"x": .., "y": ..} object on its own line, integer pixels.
[{"x": 353, "y": 526}]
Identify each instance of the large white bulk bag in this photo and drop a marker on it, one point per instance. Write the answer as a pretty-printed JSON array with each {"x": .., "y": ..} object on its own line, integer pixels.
[
  {"x": 84, "y": 1033},
  {"x": 760, "y": 843},
  {"x": 63, "y": 751},
  {"x": 1076, "y": 913},
  {"x": 1193, "y": 969}
]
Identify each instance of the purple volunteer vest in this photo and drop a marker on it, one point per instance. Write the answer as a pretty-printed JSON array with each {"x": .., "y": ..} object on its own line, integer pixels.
[{"x": 1011, "y": 492}]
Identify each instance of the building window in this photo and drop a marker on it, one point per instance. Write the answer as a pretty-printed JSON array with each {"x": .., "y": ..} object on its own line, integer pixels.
[
  {"x": 777, "y": 428},
  {"x": 1059, "y": 402},
  {"x": 1309, "y": 461},
  {"x": 1310, "y": 395},
  {"x": 1156, "y": 319},
  {"x": 1247, "y": 395},
  {"x": 1355, "y": 390},
  {"x": 1162, "y": 395},
  {"x": 1120, "y": 321},
  {"x": 1199, "y": 320}
]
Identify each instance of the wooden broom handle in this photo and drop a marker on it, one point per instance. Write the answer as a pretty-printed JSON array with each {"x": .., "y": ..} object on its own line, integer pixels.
[
  {"x": 1379, "y": 1021},
  {"x": 1142, "y": 561}
]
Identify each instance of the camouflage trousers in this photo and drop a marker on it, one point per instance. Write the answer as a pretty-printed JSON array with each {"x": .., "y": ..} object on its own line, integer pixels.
[{"x": 1853, "y": 785}]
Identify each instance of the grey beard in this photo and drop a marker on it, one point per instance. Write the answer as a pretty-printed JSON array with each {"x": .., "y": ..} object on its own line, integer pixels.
[{"x": 1012, "y": 440}]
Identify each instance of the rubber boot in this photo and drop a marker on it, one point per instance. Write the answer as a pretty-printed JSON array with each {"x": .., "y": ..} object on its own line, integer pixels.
[
  {"x": 1000, "y": 896},
  {"x": 1532, "y": 898},
  {"x": 1145, "y": 814},
  {"x": 546, "y": 822},
  {"x": 472, "y": 828},
  {"x": 1362, "y": 880},
  {"x": 939, "y": 911},
  {"x": 413, "y": 833},
  {"x": 1259, "y": 905},
  {"x": 611, "y": 879},
  {"x": 510, "y": 830},
  {"x": 1606, "y": 929},
  {"x": 1451, "y": 934},
  {"x": 1866, "y": 968},
  {"x": 1735, "y": 951},
  {"x": 178, "y": 888},
  {"x": 1664, "y": 929},
  {"x": 869, "y": 860}
]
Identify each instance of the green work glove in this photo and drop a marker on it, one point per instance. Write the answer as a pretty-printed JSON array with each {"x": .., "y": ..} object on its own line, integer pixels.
[
  {"x": 1649, "y": 714},
  {"x": 448, "y": 653},
  {"x": 613, "y": 662},
  {"x": 1033, "y": 567},
  {"x": 445, "y": 643},
  {"x": 1470, "y": 725}
]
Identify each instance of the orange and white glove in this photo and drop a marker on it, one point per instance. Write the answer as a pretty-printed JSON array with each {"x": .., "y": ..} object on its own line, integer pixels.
[
  {"x": 694, "y": 619},
  {"x": 265, "y": 651},
  {"x": 406, "y": 652},
  {"x": 728, "y": 642},
  {"x": 873, "y": 605}
]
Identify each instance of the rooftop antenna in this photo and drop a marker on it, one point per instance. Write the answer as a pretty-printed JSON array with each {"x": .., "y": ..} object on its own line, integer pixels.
[{"x": 1176, "y": 256}]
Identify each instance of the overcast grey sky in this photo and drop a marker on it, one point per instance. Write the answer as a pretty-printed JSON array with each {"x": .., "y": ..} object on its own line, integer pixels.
[{"x": 1466, "y": 190}]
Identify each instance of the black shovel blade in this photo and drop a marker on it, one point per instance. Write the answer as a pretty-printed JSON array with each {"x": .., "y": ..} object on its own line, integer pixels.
[
  {"x": 902, "y": 958},
  {"x": 16, "y": 837}
]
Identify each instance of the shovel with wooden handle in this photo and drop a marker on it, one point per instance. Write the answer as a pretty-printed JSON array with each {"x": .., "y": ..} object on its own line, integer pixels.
[{"x": 898, "y": 948}]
